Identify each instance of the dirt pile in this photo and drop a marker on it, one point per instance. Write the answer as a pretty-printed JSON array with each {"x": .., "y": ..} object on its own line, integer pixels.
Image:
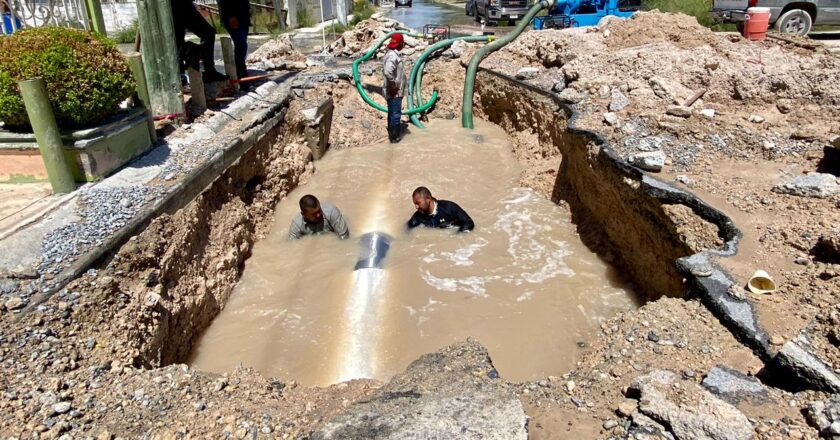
[
  {"x": 357, "y": 41},
  {"x": 278, "y": 53},
  {"x": 654, "y": 27}
]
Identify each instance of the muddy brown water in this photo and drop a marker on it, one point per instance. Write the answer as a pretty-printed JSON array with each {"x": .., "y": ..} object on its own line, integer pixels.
[{"x": 522, "y": 283}]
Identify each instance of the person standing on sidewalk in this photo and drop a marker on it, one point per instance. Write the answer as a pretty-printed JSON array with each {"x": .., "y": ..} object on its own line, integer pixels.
[
  {"x": 394, "y": 85},
  {"x": 236, "y": 17},
  {"x": 186, "y": 17}
]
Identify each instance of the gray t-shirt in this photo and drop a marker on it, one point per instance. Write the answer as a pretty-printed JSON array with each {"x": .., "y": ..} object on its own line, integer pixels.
[
  {"x": 392, "y": 67},
  {"x": 332, "y": 221}
]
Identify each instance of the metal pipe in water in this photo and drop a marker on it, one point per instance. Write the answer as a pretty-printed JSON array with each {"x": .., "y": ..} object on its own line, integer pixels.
[{"x": 362, "y": 308}]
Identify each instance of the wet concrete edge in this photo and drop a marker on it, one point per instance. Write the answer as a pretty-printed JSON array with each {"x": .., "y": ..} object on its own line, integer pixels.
[{"x": 703, "y": 279}]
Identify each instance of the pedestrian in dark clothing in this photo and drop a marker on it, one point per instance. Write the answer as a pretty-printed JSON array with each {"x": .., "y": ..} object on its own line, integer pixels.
[
  {"x": 434, "y": 213},
  {"x": 236, "y": 17},
  {"x": 186, "y": 17},
  {"x": 394, "y": 72}
]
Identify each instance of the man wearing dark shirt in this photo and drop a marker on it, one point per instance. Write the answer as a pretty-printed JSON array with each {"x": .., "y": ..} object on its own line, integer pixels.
[{"x": 435, "y": 213}]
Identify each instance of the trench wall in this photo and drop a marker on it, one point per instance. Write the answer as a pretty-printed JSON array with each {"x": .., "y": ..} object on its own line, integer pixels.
[{"x": 619, "y": 212}]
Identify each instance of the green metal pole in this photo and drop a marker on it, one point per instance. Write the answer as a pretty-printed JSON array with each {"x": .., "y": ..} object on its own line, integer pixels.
[
  {"x": 42, "y": 119},
  {"x": 160, "y": 56},
  {"x": 97, "y": 20},
  {"x": 135, "y": 61}
]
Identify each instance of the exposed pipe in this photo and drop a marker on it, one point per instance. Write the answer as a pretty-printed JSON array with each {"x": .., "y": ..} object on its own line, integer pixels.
[{"x": 481, "y": 53}]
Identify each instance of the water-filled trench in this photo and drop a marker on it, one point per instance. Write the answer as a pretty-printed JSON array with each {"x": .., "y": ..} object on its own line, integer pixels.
[{"x": 522, "y": 282}]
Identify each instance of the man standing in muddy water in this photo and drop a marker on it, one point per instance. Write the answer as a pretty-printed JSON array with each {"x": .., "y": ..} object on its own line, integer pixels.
[
  {"x": 392, "y": 69},
  {"x": 316, "y": 218},
  {"x": 434, "y": 213}
]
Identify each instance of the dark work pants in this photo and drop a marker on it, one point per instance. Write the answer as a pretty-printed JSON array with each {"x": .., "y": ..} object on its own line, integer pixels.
[
  {"x": 240, "y": 49},
  {"x": 187, "y": 18},
  {"x": 394, "y": 110}
]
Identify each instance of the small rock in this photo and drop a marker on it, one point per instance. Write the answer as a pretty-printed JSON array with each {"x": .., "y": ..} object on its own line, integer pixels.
[
  {"x": 805, "y": 134},
  {"x": 777, "y": 340},
  {"x": 820, "y": 185},
  {"x": 768, "y": 146},
  {"x": 125, "y": 202},
  {"x": 828, "y": 247},
  {"x": 199, "y": 406},
  {"x": 14, "y": 303},
  {"x": 610, "y": 424},
  {"x": 366, "y": 124},
  {"x": 756, "y": 119},
  {"x": 348, "y": 115},
  {"x": 680, "y": 111},
  {"x": 61, "y": 407},
  {"x": 784, "y": 106},
  {"x": 626, "y": 408},
  {"x": 611, "y": 118},
  {"x": 685, "y": 180},
  {"x": 570, "y": 96},
  {"x": 527, "y": 73},
  {"x": 649, "y": 161},
  {"x": 618, "y": 101},
  {"x": 708, "y": 113},
  {"x": 558, "y": 86},
  {"x": 570, "y": 386},
  {"x": 802, "y": 261}
]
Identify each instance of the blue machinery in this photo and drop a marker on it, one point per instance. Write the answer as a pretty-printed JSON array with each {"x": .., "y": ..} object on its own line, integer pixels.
[{"x": 576, "y": 13}]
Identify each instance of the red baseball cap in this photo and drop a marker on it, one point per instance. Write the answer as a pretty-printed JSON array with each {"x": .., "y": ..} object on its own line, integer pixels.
[{"x": 396, "y": 40}]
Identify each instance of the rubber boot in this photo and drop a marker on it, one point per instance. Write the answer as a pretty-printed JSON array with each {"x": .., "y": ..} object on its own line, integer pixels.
[{"x": 394, "y": 133}]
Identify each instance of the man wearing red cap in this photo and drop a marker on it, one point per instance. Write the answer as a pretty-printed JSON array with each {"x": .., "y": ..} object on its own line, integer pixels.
[{"x": 394, "y": 85}]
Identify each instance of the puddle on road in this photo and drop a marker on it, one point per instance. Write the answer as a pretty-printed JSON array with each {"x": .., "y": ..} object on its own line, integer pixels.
[{"x": 522, "y": 283}]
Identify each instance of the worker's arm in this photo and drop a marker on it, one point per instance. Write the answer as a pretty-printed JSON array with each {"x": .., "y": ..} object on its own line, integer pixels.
[
  {"x": 338, "y": 224},
  {"x": 462, "y": 219},
  {"x": 414, "y": 221},
  {"x": 294, "y": 231}
]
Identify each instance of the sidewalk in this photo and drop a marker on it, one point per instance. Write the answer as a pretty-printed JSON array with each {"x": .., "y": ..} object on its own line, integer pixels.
[{"x": 49, "y": 240}]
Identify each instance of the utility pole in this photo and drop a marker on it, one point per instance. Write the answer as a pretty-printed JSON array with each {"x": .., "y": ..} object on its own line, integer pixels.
[
  {"x": 160, "y": 57},
  {"x": 292, "y": 7}
]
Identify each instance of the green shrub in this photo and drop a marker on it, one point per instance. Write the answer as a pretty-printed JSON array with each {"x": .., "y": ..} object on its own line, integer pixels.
[
  {"x": 362, "y": 10},
  {"x": 304, "y": 19},
  {"x": 127, "y": 34},
  {"x": 86, "y": 76}
]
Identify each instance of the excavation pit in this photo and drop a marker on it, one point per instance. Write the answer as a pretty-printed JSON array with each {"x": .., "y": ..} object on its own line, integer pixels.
[{"x": 522, "y": 282}]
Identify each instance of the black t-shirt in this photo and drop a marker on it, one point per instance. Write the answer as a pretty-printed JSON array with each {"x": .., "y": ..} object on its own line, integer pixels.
[{"x": 447, "y": 214}]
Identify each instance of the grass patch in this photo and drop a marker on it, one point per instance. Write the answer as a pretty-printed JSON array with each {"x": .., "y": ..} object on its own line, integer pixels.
[
  {"x": 127, "y": 34},
  {"x": 304, "y": 19},
  {"x": 362, "y": 10}
]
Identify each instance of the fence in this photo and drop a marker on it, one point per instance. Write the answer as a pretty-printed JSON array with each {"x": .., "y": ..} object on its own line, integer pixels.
[{"x": 18, "y": 14}]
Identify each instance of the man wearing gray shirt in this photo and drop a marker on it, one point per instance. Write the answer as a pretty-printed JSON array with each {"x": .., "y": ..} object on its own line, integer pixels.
[
  {"x": 394, "y": 72},
  {"x": 316, "y": 218}
]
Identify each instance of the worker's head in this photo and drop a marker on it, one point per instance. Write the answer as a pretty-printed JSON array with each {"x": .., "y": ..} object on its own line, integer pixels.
[
  {"x": 423, "y": 200},
  {"x": 396, "y": 42},
  {"x": 310, "y": 209}
]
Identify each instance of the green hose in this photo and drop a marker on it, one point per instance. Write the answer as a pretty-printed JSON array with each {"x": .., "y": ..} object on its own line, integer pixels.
[
  {"x": 357, "y": 77},
  {"x": 472, "y": 70},
  {"x": 415, "y": 81}
]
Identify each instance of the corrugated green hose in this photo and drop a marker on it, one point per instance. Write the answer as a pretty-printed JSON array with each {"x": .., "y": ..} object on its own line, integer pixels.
[
  {"x": 472, "y": 70},
  {"x": 416, "y": 79},
  {"x": 361, "y": 89}
]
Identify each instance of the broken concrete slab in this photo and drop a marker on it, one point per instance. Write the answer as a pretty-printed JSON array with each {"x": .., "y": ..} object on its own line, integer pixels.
[
  {"x": 649, "y": 160},
  {"x": 819, "y": 185},
  {"x": 688, "y": 410},
  {"x": 452, "y": 393},
  {"x": 618, "y": 101},
  {"x": 824, "y": 415},
  {"x": 734, "y": 386}
]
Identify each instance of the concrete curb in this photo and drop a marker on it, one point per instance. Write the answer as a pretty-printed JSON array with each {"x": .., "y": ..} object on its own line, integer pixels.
[
  {"x": 703, "y": 279},
  {"x": 193, "y": 184}
]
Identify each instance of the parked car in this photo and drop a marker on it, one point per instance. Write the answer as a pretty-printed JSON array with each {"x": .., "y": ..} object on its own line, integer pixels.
[
  {"x": 492, "y": 11},
  {"x": 786, "y": 16},
  {"x": 402, "y": 3}
]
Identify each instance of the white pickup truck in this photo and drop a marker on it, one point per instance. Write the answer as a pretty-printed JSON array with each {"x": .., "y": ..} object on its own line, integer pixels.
[{"x": 787, "y": 16}]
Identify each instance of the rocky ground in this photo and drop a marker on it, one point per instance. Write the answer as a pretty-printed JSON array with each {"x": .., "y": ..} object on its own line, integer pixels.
[{"x": 102, "y": 359}]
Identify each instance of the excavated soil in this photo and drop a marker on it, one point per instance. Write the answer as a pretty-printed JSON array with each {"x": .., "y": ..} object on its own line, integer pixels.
[{"x": 110, "y": 344}]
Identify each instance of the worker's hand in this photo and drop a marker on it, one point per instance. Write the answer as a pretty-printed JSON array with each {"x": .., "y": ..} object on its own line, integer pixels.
[{"x": 233, "y": 22}]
